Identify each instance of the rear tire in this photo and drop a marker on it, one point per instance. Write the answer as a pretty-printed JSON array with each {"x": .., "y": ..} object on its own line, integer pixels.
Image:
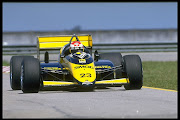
[
  {"x": 133, "y": 69},
  {"x": 116, "y": 59},
  {"x": 15, "y": 70},
  {"x": 30, "y": 75}
]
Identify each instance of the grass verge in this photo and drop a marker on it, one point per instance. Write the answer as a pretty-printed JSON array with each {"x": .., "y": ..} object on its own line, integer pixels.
[
  {"x": 5, "y": 63},
  {"x": 160, "y": 74}
]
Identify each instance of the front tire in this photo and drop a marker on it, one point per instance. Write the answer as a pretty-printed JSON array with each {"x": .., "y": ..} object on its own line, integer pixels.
[
  {"x": 15, "y": 71},
  {"x": 30, "y": 75},
  {"x": 133, "y": 69}
]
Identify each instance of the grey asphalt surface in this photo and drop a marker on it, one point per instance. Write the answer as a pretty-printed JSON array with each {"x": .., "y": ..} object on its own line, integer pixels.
[{"x": 113, "y": 102}]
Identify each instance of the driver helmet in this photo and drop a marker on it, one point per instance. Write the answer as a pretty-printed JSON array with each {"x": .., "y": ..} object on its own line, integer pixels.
[{"x": 76, "y": 46}]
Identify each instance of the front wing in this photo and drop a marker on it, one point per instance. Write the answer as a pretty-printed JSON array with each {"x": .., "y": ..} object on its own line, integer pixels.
[{"x": 121, "y": 81}]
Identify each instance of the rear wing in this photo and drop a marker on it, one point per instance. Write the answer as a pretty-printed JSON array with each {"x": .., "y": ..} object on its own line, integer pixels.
[{"x": 48, "y": 43}]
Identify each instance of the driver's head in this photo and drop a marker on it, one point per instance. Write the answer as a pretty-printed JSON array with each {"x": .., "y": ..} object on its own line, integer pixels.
[{"x": 76, "y": 46}]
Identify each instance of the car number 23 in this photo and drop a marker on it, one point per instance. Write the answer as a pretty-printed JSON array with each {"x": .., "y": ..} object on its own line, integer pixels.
[{"x": 85, "y": 75}]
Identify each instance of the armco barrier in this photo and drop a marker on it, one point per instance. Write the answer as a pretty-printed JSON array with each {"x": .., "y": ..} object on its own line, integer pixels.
[{"x": 101, "y": 48}]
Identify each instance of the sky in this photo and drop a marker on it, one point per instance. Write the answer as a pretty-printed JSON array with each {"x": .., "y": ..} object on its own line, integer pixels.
[{"x": 60, "y": 16}]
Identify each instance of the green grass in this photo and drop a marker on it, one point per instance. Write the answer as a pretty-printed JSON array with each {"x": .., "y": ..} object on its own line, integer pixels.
[
  {"x": 160, "y": 74},
  {"x": 155, "y": 74},
  {"x": 5, "y": 63}
]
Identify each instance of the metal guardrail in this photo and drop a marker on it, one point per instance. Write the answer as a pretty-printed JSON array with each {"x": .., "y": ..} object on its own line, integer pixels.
[{"x": 101, "y": 48}]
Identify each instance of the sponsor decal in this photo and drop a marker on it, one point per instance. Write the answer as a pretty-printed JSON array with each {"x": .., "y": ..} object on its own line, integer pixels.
[
  {"x": 52, "y": 68},
  {"x": 87, "y": 83},
  {"x": 103, "y": 66},
  {"x": 84, "y": 66},
  {"x": 82, "y": 60}
]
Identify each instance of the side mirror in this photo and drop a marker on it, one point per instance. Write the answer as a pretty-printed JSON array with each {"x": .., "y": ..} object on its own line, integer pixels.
[{"x": 96, "y": 56}]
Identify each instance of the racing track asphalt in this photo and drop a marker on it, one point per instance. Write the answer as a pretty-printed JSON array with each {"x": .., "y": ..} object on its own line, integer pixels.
[{"x": 113, "y": 102}]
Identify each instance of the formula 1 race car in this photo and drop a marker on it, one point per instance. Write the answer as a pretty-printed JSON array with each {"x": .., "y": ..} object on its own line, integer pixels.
[{"x": 76, "y": 67}]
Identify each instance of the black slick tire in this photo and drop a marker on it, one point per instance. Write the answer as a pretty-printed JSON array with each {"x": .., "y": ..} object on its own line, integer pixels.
[
  {"x": 30, "y": 75},
  {"x": 133, "y": 68},
  {"x": 15, "y": 70},
  {"x": 116, "y": 59}
]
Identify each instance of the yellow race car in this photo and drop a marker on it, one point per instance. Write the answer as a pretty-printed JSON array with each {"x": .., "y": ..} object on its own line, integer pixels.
[{"x": 76, "y": 66}]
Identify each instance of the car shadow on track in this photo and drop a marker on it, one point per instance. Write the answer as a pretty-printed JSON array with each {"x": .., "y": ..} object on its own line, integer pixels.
[
  {"x": 66, "y": 89},
  {"x": 96, "y": 89}
]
